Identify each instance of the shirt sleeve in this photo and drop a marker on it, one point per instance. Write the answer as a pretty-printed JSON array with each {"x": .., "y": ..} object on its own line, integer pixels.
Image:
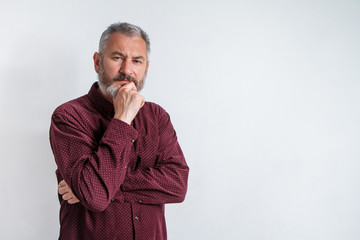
[
  {"x": 166, "y": 182},
  {"x": 93, "y": 170}
]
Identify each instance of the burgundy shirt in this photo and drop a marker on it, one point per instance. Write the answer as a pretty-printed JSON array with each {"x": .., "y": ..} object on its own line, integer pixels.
[{"x": 122, "y": 174}]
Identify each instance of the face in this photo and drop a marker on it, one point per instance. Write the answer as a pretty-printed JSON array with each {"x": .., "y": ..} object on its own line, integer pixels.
[{"x": 124, "y": 60}]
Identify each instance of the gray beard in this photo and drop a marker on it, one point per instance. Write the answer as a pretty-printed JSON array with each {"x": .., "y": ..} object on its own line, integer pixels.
[
  {"x": 110, "y": 90},
  {"x": 106, "y": 85}
]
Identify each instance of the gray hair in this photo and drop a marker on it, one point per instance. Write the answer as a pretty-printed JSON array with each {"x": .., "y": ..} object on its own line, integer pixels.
[{"x": 127, "y": 29}]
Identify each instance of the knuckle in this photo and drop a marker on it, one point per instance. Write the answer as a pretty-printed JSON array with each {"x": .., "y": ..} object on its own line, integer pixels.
[{"x": 61, "y": 190}]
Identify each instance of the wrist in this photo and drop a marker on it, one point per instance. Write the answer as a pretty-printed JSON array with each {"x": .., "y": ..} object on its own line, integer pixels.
[{"x": 122, "y": 118}]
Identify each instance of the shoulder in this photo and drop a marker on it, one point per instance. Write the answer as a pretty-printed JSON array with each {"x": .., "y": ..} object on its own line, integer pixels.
[
  {"x": 73, "y": 108},
  {"x": 154, "y": 109},
  {"x": 156, "y": 114},
  {"x": 151, "y": 116}
]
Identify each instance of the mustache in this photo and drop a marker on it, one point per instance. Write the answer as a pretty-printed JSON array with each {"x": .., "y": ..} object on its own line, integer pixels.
[{"x": 123, "y": 77}]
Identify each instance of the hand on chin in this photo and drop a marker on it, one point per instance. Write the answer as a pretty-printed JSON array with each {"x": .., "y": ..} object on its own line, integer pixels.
[{"x": 125, "y": 83}]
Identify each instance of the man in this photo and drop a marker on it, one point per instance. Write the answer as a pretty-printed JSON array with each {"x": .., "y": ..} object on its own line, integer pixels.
[{"x": 118, "y": 157}]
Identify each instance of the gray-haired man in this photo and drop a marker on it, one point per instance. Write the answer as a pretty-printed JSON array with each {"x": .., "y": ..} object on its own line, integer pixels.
[{"x": 118, "y": 157}]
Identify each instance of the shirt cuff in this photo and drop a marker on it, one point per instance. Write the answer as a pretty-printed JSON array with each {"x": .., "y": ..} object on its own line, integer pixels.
[{"x": 120, "y": 132}]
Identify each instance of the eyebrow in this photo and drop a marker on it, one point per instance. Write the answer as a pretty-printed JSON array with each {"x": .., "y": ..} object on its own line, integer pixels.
[
  {"x": 117, "y": 53},
  {"x": 121, "y": 54},
  {"x": 139, "y": 57}
]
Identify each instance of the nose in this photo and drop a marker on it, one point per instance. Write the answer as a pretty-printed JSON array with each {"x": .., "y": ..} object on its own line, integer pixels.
[{"x": 126, "y": 67}]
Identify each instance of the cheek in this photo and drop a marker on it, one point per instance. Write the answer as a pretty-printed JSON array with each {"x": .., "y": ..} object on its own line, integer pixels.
[
  {"x": 140, "y": 73},
  {"x": 111, "y": 70}
]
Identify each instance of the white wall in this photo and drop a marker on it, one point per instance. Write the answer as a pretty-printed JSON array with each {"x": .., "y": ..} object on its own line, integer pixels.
[{"x": 264, "y": 96}]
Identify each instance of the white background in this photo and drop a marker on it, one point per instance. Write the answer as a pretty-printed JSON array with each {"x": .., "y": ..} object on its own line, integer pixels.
[{"x": 264, "y": 96}]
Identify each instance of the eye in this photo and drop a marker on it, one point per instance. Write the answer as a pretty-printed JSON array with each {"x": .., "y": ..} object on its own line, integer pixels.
[{"x": 137, "y": 61}]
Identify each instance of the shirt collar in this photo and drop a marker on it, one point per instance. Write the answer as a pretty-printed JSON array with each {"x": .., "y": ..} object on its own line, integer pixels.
[{"x": 100, "y": 103}]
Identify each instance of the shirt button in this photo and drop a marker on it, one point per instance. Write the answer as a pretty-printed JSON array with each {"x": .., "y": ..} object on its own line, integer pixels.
[
  {"x": 113, "y": 199},
  {"x": 137, "y": 218},
  {"x": 125, "y": 166},
  {"x": 140, "y": 201},
  {"x": 132, "y": 140}
]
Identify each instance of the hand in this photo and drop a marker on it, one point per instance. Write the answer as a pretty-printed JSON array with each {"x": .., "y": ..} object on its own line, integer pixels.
[
  {"x": 66, "y": 193},
  {"x": 127, "y": 102}
]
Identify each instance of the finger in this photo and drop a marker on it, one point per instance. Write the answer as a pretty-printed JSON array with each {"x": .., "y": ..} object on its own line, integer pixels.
[
  {"x": 73, "y": 200},
  {"x": 63, "y": 190},
  {"x": 63, "y": 187},
  {"x": 66, "y": 196},
  {"x": 62, "y": 184},
  {"x": 130, "y": 86},
  {"x": 118, "y": 84}
]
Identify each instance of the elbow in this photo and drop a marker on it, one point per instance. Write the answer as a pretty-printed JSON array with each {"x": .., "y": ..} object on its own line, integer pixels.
[
  {"x": 180, "y": 199},
  {"x": 94, "y": 193},
  {"x": 97, "y": 206},
  {"x": 95, "y": 201},
  {"x": 97, "y": 209},
  {"x": 184, "y": 185},
  {"x": 180, "y": 194}
]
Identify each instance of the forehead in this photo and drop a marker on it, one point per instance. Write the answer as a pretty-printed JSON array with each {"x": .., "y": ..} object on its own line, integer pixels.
[{"x": 126, "y": 44}]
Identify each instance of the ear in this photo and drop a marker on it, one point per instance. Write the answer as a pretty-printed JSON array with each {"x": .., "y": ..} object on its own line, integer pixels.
[
  {"x": 147, "y": 67},
  {"x": 96, "y": 58}
]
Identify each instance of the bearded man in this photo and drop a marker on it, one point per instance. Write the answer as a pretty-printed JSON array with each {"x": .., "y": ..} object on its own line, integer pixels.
[{"x": 117, "y": 155}]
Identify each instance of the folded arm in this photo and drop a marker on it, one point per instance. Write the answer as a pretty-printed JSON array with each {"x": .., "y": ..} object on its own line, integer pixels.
[
  {"x": 166, "y": 181},
  {"x": 94, "y": 171}
]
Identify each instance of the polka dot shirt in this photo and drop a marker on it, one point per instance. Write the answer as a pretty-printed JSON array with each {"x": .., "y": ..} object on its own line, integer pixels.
[{"x": 122, "y": 174}]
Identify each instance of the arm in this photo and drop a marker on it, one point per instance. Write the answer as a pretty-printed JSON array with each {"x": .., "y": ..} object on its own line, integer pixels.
[
  {"x": 166, "y": 182},
  {"x": 94, "y": 171}
]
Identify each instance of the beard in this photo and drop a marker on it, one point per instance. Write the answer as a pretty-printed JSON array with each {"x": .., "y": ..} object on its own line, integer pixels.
[{"x": 106, "y": 84}]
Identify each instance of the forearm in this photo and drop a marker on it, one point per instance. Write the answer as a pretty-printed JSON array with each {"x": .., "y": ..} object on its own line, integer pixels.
[
  {"x": 165, "y": 182},
  {"x": 94, "y": 171},
  {"x": 160, "y": 185}
]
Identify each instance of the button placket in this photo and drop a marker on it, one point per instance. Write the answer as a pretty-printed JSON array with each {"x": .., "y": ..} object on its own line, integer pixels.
[{"x": 136, "y": 213}]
